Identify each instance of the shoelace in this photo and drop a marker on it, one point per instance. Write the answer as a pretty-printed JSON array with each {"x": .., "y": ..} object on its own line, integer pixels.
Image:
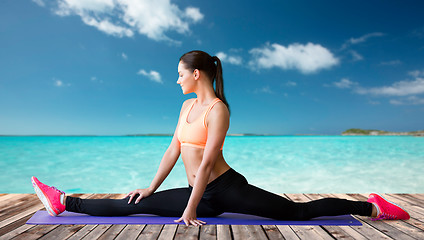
[
  {"x": 384, "y": 216},
  {"x": 57, "y": 189}
]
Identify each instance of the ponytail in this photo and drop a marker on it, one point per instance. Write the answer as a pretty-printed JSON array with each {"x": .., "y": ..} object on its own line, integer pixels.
[
  {"x": 219, "y": 82},
  {"x": 203, "y": 61}
]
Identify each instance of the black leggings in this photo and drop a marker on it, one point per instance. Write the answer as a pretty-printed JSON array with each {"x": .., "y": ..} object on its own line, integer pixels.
[{"x": 230, "y": 192}]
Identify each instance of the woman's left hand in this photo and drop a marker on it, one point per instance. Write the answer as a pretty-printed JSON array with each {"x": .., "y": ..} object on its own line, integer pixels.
[{"x": 189, "y": 218}]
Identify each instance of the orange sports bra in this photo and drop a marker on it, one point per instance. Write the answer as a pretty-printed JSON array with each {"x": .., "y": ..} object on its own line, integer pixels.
[{"x": 194, "y": 134}]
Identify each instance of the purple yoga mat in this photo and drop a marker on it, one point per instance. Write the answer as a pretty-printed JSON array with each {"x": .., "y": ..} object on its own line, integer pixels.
[{"x": 42, "y": 217}]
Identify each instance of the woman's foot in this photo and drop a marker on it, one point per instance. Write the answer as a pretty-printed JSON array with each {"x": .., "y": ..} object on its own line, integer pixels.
[
  {"x": 51, "y": 197},
  {"x": 387, "y": 210}
]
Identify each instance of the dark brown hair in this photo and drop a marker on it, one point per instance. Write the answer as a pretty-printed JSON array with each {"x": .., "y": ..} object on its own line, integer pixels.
[{"x": 204, "y": 62}]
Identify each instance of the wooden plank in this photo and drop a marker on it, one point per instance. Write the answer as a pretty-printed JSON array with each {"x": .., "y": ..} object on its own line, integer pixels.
[
  {"x": 98, "y": 231},
  {"x": 287, "y": 232},
  {"x": 18, "y": 216},
  {"x": 207, "y": 232},
  {"x": 313, "y": 232},
  {"x": 15, "y": 225},
  {"x": 187, "y": 232},
  {"x": 248, "y": 232},
  {"x": 18, "y": 207},
  {"x": 150, "y": 232},
  {"x": 386, "y": 226},
  {"x": 365, "y": 230},
  {"x": 334, "y": 231},
  {"x": 168, "y": 232},
  {"x": 131, "y": 231},
  {"x": 419, "y": 196},
  {"x": 272, "y": 232},
  {"x": 415, "y": 200},
  {"x": 349, "y": 230},
  {"x": 8, "y": 196},
  {"x": 36, "y": 232},
  {"x": 20, "y": 225},
  {"x": 15, "y": 232},
  {"x": 411, "y": 227},
  {"x": 82, "y": 232},
  {"x": 62, "y": 232},
  {"x": 112, "y": 232},
  {"x": 416, "y": 212},
  {"x": 12, "y": 199},
  {"x": 223, "y": 232},
  {"x": 310, "y": 232}
]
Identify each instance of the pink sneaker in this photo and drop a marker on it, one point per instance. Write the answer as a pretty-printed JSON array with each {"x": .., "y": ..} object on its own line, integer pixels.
[
  {"x": 51, "y": 197},
  {"x": 387, "y": 210}
]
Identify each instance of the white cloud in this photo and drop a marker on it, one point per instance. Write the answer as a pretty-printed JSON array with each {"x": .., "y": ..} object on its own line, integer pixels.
[
  {"x": 152, "y": 75},
  {"x": 94, "y": 79},
  {"x": 412, "y": 100},
  {"x": 307, "y": 58},
  {"x": 60, "y": 83},
  {"x": 265, "y": 89},
  {"x": 124, "y": 18},
  {"x": 194, "y": 14},
  {"x": 356, "y": 56},
  {"x": 344, "y": 83},
  {"x": 108, "y": 27},
  {"x": 236, "y": 60},
  {"x": 401, "y": 88},
  {"x": 416, "y": 73},
  {"x": 39, "y": 3},
  {"x": 124, "y": 56},
  {"x": 361, "y": 39},
  {"x": 391, "y": 63},
  {"x": 291, "y": 84}
]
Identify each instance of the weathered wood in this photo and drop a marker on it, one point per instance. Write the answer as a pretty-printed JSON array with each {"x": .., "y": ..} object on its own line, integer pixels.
[
  {"x": 308, "y": 232},
  {"x": 287, "y": 232},
  {"x": 223, "y": 232},
  {"x": 150, "y": 232},
  {"x": 131, "y": 231},
  {"x": 272, "y": 232},
  {"x": 248, "y": 232},
  {"x": 385, "y": 226},
  {"x": 207, "y": 232},
  {"x": 82, "y": 232},
  {"x": 18, "y": 208},
  {"x": 98, "y": 231},
  {"x": 62, "y": 232},
  {"x": 187, "y": 232},
  {"x": 168, "y": 232},
  {"x": 335, "y": 231},
  {"x": 15, "y": 232},
  {"x": 112, "y": 232},
  {"x": 12, "y": 199}
]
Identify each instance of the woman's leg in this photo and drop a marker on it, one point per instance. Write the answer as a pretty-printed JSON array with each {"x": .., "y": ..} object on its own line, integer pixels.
[
  {"x": 170, "y": 203},
  {"x": 242, "y": 197}
]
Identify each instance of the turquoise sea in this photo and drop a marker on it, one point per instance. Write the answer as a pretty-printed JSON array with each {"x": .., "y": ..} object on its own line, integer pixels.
[{"x": 281, "y": 164}]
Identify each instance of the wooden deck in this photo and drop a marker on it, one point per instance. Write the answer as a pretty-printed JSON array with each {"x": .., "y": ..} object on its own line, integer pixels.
[{"x": 16, "y": 209}]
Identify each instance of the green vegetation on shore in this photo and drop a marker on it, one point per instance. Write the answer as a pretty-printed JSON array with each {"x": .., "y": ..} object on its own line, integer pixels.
[{"x": 358, "y": 131}]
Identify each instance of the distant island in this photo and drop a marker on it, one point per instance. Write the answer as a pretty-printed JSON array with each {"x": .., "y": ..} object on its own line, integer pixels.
[{"x": 358, "y": 131}]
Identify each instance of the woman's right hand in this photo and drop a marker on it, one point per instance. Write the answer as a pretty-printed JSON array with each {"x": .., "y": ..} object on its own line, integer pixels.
[{"x": 141, "y": 192}]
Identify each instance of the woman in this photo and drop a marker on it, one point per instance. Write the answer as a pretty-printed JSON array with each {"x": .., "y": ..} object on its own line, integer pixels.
[{"x": 214, "y": 187}]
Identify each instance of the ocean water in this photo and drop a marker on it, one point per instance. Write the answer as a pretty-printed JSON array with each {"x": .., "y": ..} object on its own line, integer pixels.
[{"x": 281, "y": 164}]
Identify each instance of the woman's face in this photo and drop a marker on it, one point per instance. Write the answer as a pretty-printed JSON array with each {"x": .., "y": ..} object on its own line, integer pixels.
[{"x": 185, "y": 79}]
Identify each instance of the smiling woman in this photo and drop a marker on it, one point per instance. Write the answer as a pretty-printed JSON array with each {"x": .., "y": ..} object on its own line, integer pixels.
[{"x": 214, "y": 187}]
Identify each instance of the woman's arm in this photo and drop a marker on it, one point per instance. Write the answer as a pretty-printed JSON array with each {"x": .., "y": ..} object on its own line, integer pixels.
[
  {"x": 218, "y": 124},
  {"x": 167, "y": 163}
]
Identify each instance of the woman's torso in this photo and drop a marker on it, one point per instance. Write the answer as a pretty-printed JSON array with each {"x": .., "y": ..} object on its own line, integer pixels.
[{"x": 191, "y": 120}]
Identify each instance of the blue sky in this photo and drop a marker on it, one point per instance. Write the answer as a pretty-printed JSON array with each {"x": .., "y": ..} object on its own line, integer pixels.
[{"x": 109, "y": 67}]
